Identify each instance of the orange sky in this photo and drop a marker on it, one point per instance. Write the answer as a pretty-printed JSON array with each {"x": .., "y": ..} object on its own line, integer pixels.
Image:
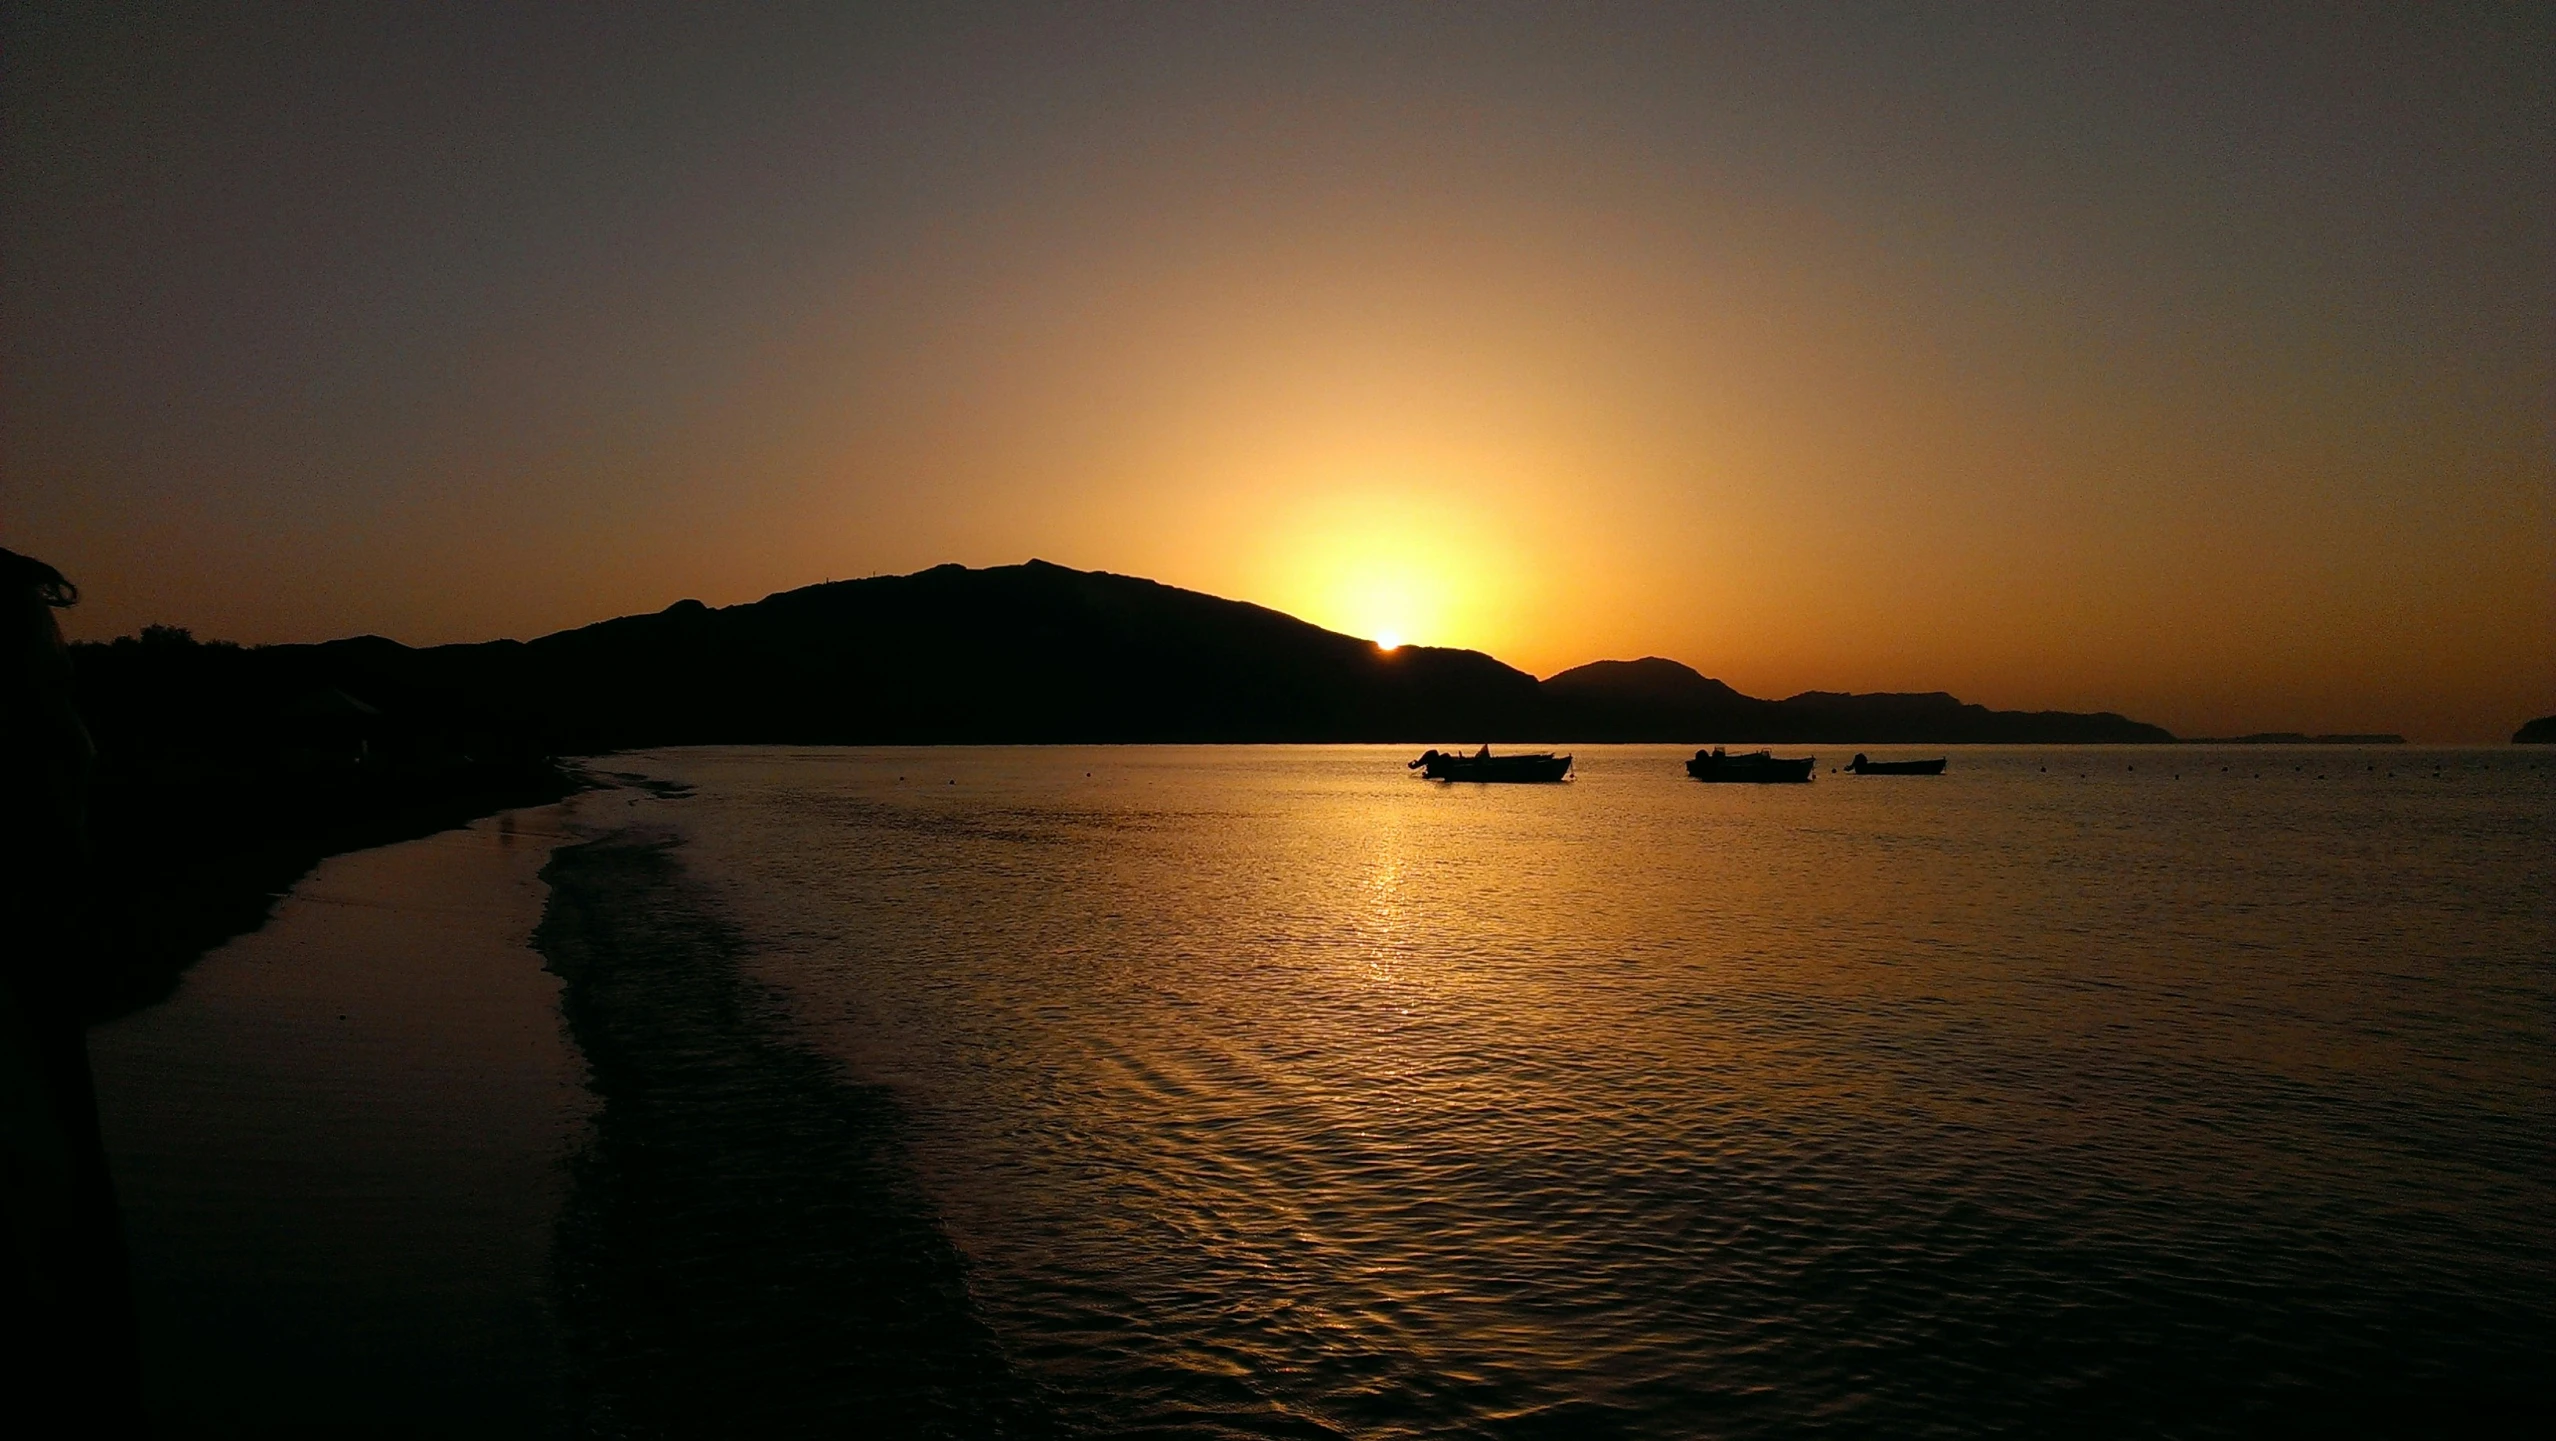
[{"x": 2193, "y": 368}]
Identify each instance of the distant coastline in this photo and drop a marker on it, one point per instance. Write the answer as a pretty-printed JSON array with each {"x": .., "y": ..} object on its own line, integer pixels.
[
  {"x": 1025, "y": 654},
  {"x": 2295, "y": 738},
  {"x": 227, "y": 771}
]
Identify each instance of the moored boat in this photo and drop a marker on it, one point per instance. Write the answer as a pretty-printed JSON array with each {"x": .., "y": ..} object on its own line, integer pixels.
[
  {"x": 1754, "y": 768},
  {"x": 1863, "y": 767},
  {"x": 1440, "y": 765}
]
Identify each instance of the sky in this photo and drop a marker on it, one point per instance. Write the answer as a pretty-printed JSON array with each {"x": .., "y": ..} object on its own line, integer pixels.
[{"x": 2193, "y": 362}]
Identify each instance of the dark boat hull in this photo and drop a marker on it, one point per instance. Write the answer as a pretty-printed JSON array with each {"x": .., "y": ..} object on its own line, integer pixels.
[
  {"x": 1864, "y": 767},
  {"x": 1759, "y": 769},
  {"x": 1497, "y": 769}
]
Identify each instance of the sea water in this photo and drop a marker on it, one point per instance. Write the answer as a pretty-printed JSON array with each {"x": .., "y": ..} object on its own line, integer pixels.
[{"x": 1274, "y": 1091}]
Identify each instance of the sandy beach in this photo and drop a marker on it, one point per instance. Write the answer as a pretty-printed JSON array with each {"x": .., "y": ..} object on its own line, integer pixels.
[{"x": 342, "y": 1149}]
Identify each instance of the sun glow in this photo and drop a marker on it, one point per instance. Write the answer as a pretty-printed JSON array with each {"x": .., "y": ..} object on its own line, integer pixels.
[{"x": 1417, "y": 568}]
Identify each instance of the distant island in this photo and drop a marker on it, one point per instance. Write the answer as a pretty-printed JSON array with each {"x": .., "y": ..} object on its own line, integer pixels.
[
  {"x": 1660, "y": 700},
  {"x": 2539, "y": 732},
  {"x": 1031, "y": 653},
  {"x": 2296, "y": 738}
]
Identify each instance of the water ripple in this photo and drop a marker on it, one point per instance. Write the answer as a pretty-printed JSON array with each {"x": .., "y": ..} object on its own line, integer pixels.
[{"x": 1268, "y": 1092}]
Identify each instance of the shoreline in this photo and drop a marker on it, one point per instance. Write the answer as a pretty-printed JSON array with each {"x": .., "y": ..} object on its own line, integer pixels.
[
  {"x": 182, "y": 864},
  {"x": 486, "y": 1130}
]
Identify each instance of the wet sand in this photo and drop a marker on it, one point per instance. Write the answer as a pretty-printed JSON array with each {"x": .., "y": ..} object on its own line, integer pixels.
[{"x": 342, "y": 1149}]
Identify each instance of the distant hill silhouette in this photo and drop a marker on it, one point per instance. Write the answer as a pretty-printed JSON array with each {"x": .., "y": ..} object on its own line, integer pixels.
[
  {"x": 2299, "y": 738},
  {"x": 1655, "y": 699},
  {"x": 1033, "y": 652},
  {"x": 1608, "y": 699},
  {"x": 2541, "y": 731},
  {"x": 1041, "y": 653}
]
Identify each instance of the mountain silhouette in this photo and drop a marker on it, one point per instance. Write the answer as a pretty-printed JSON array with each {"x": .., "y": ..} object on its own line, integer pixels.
[
  {"x": 1639, "y": 686},
  {"x": 1035, "y": 653},
  {"x": 1655, "y": 699},
  {"x": 2541, "y": 731},
  {"x": 1042, "y": 653}
]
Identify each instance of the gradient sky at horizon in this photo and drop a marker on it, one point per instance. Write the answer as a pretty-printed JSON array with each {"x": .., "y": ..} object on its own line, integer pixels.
[{"x": 2198, "y": 363}]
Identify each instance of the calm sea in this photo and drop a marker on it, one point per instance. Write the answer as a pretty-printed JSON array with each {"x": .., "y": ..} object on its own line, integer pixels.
[
  {"x": 1272, "y": 1091},
  {"x": 1261, "y": 1091}
]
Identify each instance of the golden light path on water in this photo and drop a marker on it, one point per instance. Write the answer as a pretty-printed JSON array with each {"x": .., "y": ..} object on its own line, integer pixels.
[{"x": 1269, "y": 1091}]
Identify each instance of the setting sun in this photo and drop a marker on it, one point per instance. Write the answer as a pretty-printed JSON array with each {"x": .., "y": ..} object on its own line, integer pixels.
[{"x": 1355, "y": 561}]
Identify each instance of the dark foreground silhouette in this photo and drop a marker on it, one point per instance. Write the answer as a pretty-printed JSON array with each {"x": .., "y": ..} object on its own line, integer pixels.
[
  {"x": 69, "y": 1350},
  {"x": 2541, "y": 731},
  {"x": 1040, "y": 653},
  {"x": 225, "y": 773}
]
